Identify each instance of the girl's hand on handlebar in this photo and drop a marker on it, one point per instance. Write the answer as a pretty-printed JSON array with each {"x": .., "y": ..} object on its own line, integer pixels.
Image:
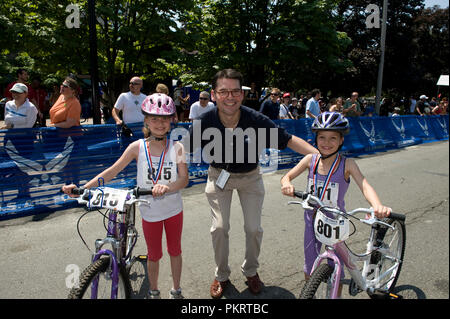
[
  {"x": 381, "y": 211},
  {"x": 159, "y": 190},
  {"x": 67, "y": 189},
  {"x": 287, "y": 189}
]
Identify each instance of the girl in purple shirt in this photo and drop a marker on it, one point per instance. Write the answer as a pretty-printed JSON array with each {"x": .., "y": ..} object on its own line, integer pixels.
[{"x": 329, "y": 178}]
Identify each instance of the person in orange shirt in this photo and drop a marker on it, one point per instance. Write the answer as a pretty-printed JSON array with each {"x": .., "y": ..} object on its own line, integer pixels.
[{"x": 66, "y": 111}]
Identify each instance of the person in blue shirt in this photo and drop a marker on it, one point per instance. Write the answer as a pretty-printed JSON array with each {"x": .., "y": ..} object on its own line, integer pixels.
[
  {"x": 312, "y": 106},
  {"x": 271, "y": 106}
]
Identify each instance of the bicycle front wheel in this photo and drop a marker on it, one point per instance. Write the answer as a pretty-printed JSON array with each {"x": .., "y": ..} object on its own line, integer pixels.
[
  {"x": 100, "y": 270},
  {"x": 318, "y": 286},
  {"x": 388, "y": 259}
]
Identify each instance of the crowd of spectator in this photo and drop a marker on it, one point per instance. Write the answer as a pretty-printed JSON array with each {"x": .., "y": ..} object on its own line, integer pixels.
[
  {"x": 30, "y": 105},
  {"x": 277, "y": 104}
]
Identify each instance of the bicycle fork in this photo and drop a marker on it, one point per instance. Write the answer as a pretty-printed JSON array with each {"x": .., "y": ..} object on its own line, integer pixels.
[
  {"x": 330, "y": 254},
  {"x": 114, "y": 256},
  {"x": 113, "y": 265}
]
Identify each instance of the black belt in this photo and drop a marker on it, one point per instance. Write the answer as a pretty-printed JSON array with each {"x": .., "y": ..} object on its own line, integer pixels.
[{"x": 229, "y": 168}]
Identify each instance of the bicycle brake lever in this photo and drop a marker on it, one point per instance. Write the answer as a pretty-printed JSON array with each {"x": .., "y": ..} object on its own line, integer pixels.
[
  {"x": 141, "y": 200},
  {"x": 372, "y": 221}
]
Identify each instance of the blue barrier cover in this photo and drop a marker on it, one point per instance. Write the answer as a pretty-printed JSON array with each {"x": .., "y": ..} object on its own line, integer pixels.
[{"x": 35, "y": 163}]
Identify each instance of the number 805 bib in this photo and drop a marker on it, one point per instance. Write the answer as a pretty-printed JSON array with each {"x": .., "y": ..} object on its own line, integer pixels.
[{"x": 330, "y": 231}]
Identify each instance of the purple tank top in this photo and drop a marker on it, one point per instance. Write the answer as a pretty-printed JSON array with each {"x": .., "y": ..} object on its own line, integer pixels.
[{"x": 337, "y": 187}]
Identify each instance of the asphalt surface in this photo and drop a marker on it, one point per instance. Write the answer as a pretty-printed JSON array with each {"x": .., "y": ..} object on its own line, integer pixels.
[{"x": 39, "y": 255}]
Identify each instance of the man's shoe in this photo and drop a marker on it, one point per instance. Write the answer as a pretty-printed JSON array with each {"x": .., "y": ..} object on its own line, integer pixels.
[
  {"x": 217, "y": 288},
  {"x": 254, "y": 284}
]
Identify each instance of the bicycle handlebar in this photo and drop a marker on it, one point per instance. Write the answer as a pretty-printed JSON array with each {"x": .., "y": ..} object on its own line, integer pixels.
[
  {"x": 78, "y": 191},
  {"x": 318, "y": 202},
  {"x": 141, "y": 192},
  {"x": 137, "y": 191}
]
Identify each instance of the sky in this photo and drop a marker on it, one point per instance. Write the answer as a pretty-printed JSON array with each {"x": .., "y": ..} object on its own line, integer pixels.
[{"x": 441, "y": 3}]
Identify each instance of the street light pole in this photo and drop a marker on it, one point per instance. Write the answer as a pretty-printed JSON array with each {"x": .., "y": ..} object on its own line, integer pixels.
[
  {"x": 381, "y": 65},
  {"x": 93, "y": 62}
]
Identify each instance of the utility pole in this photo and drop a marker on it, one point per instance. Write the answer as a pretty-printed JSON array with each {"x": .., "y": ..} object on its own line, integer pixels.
[
  {"x": 93, "y": 62},
  {"x": 381, "y": 65}
]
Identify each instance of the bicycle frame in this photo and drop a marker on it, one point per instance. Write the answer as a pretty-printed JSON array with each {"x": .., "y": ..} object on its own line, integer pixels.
[
  {"x": 337, "y": 247},
  {"x": 121, "y": 235},
  {"x": 116, "y": 234},
  {"x": 349, "y": 259}
]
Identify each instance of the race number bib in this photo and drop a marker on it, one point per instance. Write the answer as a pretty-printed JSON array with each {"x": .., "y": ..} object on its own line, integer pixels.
[
  {"x": 330, "y": 231},
  {"x": 107, "y": 197},
  {"x": 330, "y": 197}
]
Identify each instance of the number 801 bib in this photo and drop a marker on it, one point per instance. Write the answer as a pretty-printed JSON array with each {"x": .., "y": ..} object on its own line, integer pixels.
[{"x": 330, "y": 231}]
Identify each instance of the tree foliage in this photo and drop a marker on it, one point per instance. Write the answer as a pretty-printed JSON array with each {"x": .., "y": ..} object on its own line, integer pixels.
[{"x": 291, "y": 44}]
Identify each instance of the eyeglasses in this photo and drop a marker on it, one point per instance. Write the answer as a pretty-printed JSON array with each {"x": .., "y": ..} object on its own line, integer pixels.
[
  {"x": 274, "y": 94},
  {"x": 205, "y": 98},
  {"x": 226, "y": 93},
  {"x": 134, "y": 83}
]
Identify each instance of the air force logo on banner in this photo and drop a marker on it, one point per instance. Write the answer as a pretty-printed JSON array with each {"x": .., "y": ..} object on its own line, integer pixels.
[
  {"x": 401, "y": 129},
  {"x": 443, "y": 125},
  {"x": 424, "y": 127},
  {"x": 371, "y": 134},
  {"x": 33, "y": 168}
]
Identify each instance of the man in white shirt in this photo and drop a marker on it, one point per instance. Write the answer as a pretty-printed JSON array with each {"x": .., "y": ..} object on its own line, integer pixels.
[
  {"x": 203, "y": 105},
  {"x": 130, "y": 104},
  {"x": 412, "y": 106}
]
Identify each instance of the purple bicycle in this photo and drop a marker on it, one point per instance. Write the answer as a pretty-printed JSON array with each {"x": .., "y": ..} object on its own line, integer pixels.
[
  {"x": 382, "y": 259},
  {"x": 108, "y": 274}
]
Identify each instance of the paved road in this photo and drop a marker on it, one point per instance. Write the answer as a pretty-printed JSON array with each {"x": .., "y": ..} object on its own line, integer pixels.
[{"x": 38, "y": 255}]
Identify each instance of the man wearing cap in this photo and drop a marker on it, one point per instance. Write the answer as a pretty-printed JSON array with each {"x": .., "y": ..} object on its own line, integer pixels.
[
  {"x": 421, "y": 105},
  {"x": 284, "y": 107},
  {"x": 130, "y": 104},
  {"x": 19, "y": 112}
]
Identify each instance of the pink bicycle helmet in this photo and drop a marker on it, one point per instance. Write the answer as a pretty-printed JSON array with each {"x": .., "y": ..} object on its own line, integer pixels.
[{"x": 158, "y": 104}]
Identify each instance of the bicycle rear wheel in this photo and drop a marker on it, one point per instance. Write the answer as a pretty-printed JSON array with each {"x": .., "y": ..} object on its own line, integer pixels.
[
  {"x": 318, "y": 286},
  {"x": 100, "y": 270},
  {"x": 391, "y": 243}
]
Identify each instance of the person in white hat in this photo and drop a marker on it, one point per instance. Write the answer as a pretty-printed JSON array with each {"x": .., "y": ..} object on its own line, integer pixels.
[
  {"x": 19, "y": 112},
  {"x": 421, "y": 105}
]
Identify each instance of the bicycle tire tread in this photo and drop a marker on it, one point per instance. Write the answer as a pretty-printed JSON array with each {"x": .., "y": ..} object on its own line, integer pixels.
[
  {"x": 321, "y": 274},
  {"x": 89, "y": 273}
]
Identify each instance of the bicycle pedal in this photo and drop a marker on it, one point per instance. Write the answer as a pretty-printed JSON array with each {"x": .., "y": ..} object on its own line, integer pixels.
[
  {"x": 142, "y": 257},
  {"x": 394, "y": 296},
  {"x": 385, "y": 295},
  {"x": 353, "y": 288}
]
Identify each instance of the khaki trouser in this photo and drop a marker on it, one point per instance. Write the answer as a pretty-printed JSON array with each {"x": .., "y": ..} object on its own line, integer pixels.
[{"x": 250, "y": 189}]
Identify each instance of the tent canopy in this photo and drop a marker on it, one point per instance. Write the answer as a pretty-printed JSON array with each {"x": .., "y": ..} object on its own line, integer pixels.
[{"x": 443, "y": 80}]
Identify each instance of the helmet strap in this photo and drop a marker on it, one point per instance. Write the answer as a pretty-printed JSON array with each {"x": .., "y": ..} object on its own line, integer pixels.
[
  {"x": 154, "y": 138},
  {"x": 329, "y": 155}
]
